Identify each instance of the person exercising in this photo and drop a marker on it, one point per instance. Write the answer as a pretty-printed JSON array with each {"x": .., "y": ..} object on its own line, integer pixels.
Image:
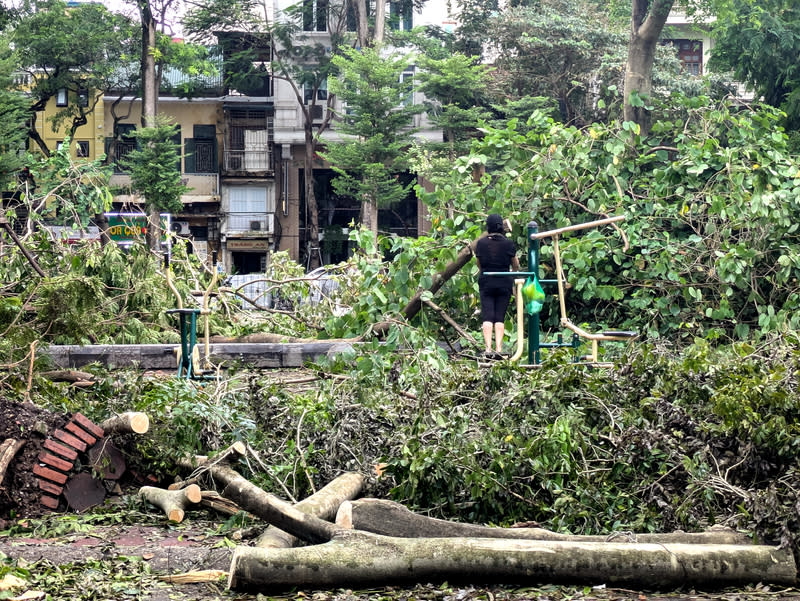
[{"x": 495, "y": 252}]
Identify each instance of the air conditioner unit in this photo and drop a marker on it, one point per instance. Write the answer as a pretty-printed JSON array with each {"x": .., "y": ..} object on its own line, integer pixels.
[
  {"x": 317, "y": 111},
  {"x": 181, "y": 228}
]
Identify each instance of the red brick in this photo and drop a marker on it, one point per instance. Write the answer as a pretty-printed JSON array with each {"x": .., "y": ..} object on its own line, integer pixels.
[
  {"x": 69, "y": 439},
  {"x": 55, "y": 462},
  {"x": 49, "y": 502},
  {"x": 46, "y": 486},
  {"x": 80, "y": 433},
  {"x": 60, "y": 449},
  {"x": 48, "y": 474},
  {"x": 88, "y": 425}
]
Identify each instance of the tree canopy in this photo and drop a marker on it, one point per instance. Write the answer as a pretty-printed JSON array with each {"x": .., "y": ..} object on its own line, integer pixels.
[{"x": 760, "y": 43}]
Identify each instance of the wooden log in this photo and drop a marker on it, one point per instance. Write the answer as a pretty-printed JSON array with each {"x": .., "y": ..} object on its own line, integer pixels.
[
  {"x": 322, "y": 504},
  {"x": 172, "y": 502},
  {"x": 197, "y": 462},
  {"x": 356, "y": 559},
  {"x": 8, "y": 449},
  {"x": 272, "y": 509},
  {"x": 83, "y": 492},
  {"x": 132, "y": 422},
  {"x": 211, "y": 499},
  {"x": 107, "y": 460},
  {"x": 261, "y": 504},
  {"x": 69, "y": 375},
  {"x": 388, "y": 518}
]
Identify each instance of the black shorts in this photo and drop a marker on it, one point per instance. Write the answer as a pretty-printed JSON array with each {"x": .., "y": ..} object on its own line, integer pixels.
[{"x": 494, "y": 304}]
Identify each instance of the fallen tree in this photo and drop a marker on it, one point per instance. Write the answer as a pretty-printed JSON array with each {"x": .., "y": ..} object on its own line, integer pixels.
[
  {"x": 260, "y": 503},
  {"x": 356, "y": 559},
  {"x": 388, "y": 518},
  {"x": 322, "y": 504}
]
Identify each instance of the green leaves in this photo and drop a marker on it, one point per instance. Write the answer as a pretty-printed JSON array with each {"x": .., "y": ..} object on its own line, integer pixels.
[{"x": 155, "y": 167}]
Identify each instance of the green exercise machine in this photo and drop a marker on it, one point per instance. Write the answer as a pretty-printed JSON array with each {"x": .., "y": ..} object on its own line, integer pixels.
[
  {"x": 190, "y": 364},
  {"x": 529, "y": 295}
]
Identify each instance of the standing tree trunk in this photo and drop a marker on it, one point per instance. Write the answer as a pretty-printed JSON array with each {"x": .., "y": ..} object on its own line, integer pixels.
[
  {"x": 312, "y": 208},
  {"x": 647, "y": 21},
  {"x": 380, "y": 20},
  {"x": 149, "y": 104},
  {"x": 362, "y": 22},
  {"x": 369, "y": 214}
]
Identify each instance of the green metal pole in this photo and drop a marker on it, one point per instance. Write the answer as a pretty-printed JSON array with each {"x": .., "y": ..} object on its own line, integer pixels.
[{"x": 534, "y": 356}]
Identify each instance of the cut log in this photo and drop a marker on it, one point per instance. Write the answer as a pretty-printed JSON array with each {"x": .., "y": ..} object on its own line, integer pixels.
[
  {"x": 107, "y": 460},
  {"x": 322, "y": 504},
  {"x": 172, "y": 502},
  {"x": 83, "y": 492},
  {"x": 132, "y": 422},
  {"x": 388, "y": 518},
  {"x": 356, "y": 559},
  {"x": 8, "y": 449}
]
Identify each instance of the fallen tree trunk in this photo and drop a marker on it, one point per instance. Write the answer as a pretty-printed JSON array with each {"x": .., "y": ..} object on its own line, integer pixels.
[
  {"x": 393, "y": 519},
  {"x": 322, "y": 504},
  {"x": 261, "y": 504},
  {"x": 272, "y": 509},
  {"x": 70, "y": 375},
  {"x": 414, "y": 304},
  {"x": 8, "y": 449},
  {"x": 172, "y": 502},
  {"x": 132, "y": 422},
  {"x": 358, "y": 559}
]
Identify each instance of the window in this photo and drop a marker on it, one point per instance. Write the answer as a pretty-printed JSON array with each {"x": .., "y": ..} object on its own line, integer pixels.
[
  {"x": 82, "y": 149},
  {"x": 315, "y": 15},
  {"x": 126, "y": 143},
  {"x": 690, "y": 53},
  {"x": 201, "y": 150},
  {"x": 61, "y": 97},
  {"x": 83, "y": 97},
  {"x": 249, "y": 199},
  {"x": 322, "y": 92},
  {"x": 407, "y": 79}
]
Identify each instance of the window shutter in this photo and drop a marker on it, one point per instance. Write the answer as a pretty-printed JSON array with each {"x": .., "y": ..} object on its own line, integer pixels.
[{"x": 189, "y": 157}]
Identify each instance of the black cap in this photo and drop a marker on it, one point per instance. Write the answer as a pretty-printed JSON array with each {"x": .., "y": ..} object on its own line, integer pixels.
[{"x": 494, "y": 224}]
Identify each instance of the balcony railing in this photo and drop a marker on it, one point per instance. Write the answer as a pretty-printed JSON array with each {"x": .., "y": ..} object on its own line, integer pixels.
[
  {"x": 247, "y": 160},
  {"x": 238, "y": 223}
]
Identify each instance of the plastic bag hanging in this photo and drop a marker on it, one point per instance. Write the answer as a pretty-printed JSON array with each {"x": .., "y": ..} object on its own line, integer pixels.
[{"x": 533, "y": 294}]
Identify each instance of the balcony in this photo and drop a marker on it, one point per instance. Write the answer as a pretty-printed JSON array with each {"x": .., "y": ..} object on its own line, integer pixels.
[
  {"x": 250, "y": 224},
  {"x": 204, "y": 187},
  {"x": 247, "y": 161}
]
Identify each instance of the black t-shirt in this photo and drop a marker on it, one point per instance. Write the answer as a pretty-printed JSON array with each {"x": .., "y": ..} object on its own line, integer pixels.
[{"x": 494, "y": 252}]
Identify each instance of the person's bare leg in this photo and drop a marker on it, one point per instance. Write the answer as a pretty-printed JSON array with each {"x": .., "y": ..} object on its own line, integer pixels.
[
  {"x": 487, "y": 335},
  {"x": 499, "y": 331}
]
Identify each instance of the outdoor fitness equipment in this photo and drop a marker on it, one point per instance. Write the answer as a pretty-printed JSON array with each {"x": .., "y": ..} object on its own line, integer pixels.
[
  {"x": 530, "y": 297},
  {"x": 190, "y": 364}
]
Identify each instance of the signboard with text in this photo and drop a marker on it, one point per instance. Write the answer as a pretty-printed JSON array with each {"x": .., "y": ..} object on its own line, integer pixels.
[{"x": 132, "y": 227}]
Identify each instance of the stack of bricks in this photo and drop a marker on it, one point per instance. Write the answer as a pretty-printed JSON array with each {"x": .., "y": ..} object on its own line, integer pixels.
[{"x": 61, "y": 451}]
